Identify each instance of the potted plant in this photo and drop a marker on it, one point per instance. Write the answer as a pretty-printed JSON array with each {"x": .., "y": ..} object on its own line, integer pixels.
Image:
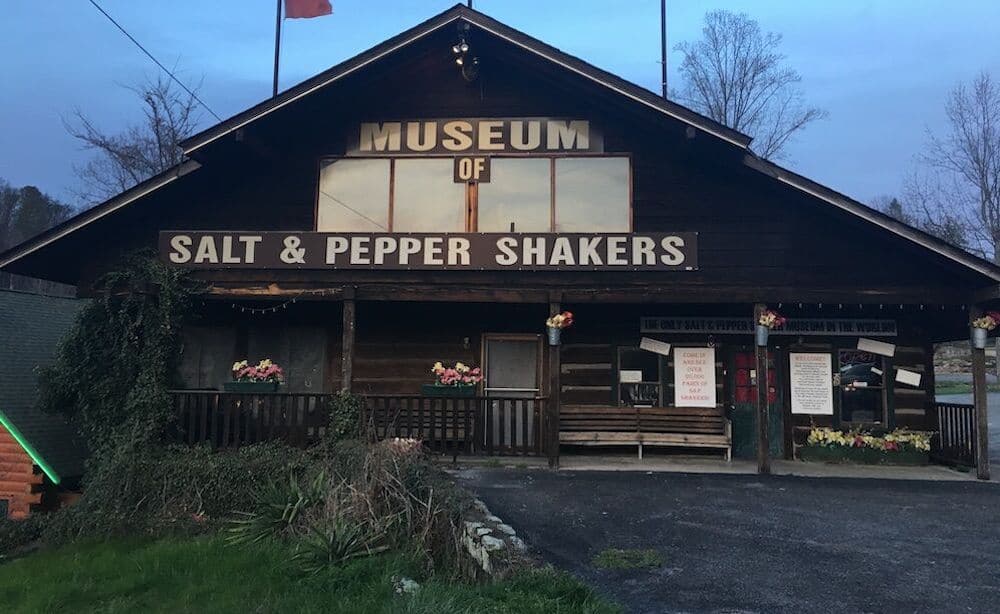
[
  {"x": 457, "y": 381},
  {"x": 981, "y": 326},
  {"x": 556, "y": 323},
  {"x": 265, "y": 376},
  {"x": 768, "y": 320},
  {"x": 898, "y": 447}
]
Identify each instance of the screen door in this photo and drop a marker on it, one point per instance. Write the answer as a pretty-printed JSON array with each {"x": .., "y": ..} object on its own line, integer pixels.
[{"x": 511, "y": 366}]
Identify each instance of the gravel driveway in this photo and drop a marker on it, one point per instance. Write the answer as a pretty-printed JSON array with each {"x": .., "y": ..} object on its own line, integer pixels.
[{"x": 736, "y": 543}]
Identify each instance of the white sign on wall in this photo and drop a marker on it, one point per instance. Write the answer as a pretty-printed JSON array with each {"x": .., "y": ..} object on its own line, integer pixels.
[
  {"x": 694, "y": 377},
  {"x": 811, "y": 381}
]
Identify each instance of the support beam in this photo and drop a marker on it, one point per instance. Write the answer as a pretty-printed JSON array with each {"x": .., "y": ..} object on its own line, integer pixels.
[
  {"x": 347, "y": 360},
  {"x": 763, "y": 417},
  {"x": 552, "y": 407},
  {"x": 979, "y": 401}
]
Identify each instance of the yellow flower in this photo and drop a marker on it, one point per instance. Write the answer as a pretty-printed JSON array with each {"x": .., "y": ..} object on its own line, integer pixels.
[
  {"x": 461, "y": 368},
  {"x": 437, "y": 368}
]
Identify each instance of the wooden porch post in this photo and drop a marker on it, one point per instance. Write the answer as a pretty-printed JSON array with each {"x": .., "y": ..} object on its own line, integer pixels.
[
  {"x": 979, "y": 401},
  {"x": 763, "y": 418},
  {"x": 552, "y": 406},
  {"x": 347, "y": 359}
]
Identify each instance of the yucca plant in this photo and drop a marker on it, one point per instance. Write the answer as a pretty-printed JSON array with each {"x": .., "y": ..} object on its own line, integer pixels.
[
  {"x": 335, "y": 541},
  {"x": 279, "y": 505}
]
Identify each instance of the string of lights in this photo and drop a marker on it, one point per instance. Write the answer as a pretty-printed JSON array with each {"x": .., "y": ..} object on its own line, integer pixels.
[{"x": 279, "y": 306}]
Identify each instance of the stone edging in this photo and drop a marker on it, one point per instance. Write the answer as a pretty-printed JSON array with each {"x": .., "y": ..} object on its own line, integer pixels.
[{"x": 493, "y": 546}]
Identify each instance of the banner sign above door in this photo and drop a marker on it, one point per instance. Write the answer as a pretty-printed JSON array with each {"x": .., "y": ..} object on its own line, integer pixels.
[
  {"x": 835, "y": 327},
  {"x": 424, "y": 251},
  {"x": 435, "y": 137}
]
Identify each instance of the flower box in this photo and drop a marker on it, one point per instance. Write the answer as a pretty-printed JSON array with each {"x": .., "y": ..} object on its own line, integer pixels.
[
  {"x": 434, "y": 390},
  {"x": 249, "y": 387},
  {"x": 862, "y": 456}
]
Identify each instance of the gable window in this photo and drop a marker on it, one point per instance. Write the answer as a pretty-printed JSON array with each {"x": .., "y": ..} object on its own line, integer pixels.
[
  {"x": 354, "y": 196},
  {"x": 425, "y": 198},
  {"x": 524, "y": 194}
]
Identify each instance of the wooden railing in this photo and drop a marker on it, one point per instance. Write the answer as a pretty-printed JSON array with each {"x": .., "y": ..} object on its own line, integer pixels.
[
  {"x": 460, "y": 425},
  {"x": 956, "y": 438},
  {"x": 229, "y": 420}
]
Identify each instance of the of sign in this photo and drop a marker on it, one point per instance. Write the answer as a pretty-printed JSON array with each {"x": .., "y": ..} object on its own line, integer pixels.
[
  {"x": 694, "y": 377},
  {"x": 472, "y": 169},
  {"x": 424, "y": 251},
  {"x": 833, "y": 327},
  {"x": 810, "y": 377},
  {"x": 467, "y": 136}
]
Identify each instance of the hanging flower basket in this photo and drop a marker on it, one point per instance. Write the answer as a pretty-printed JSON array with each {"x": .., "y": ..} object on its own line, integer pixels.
[
  {"x": 981, "y": 326},
  {"x": 768, "y": 320},
  {"x": 556, "y": 323}
]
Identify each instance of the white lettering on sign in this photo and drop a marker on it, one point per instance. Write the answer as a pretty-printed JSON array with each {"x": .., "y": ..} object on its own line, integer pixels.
[
  {"x": 694, "y": 377},
  {"x": 475, "y": 135},
  {"x": 426, "y": 251},
  {"x": 810, "y": 377}
]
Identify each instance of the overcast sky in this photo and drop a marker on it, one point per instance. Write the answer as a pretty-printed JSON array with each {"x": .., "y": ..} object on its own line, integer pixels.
[{"x": 882, "y": 68}]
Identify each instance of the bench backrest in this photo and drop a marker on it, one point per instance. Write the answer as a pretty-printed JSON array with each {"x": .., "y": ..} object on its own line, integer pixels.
[
  {"x": 600, "y": 418},
  {"x": 603, "y": 418},
  {"x": 696, "y": 420}
]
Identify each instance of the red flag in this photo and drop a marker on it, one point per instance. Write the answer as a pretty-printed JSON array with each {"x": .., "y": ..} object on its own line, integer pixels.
[{"x": 307, "y": 8}]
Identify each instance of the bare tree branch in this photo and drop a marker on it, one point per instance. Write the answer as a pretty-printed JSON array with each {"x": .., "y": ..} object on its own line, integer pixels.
[
  {"x": 140, "y": 151},
  {"x": 734, "y": 75},
  {"x": 959, "y": 173}
]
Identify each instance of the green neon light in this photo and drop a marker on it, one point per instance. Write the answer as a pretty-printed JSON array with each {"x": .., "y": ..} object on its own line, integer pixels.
[{"x": 27, "y": 447}]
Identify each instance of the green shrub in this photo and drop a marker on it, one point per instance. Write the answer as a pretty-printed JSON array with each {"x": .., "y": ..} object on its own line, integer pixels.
[
  {"x": 170, "y": 489},
  {"x": 345, "y": 416},
  {"x": 278, "y": 507},
  {"x": 16, "y": 535}
]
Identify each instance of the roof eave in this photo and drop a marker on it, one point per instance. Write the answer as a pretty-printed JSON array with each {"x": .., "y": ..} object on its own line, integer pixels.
[
  {"x": 872, "y": 216},
  {"x": 96, "y": 212}
]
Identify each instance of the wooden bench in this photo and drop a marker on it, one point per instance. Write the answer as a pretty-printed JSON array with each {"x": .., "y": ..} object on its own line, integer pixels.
[{"x": 683, "y": 427}]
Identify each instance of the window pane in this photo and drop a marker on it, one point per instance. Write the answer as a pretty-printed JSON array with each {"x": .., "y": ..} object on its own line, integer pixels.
[
  {"x": 354, "y": 196},
  {"x": 860, "y": 387},
  {"x": 519, "y": 193},
  {"x": 426, "y": 198},
  {"x": 592, "y": 195}
]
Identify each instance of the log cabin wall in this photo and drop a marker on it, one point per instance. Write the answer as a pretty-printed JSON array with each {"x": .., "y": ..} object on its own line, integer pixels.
[{"x": 20, "y": 480}]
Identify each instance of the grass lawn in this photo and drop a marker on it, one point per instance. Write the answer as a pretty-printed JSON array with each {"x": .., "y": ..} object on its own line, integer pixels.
[
  {"x": 961, "y": 388},
  {"x": 205, "y": 575}
]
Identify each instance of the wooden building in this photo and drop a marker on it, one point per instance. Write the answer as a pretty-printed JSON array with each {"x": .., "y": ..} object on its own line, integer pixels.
[
  {"x": 438, "y": 196},
  {"x": 41, "y": 458}
]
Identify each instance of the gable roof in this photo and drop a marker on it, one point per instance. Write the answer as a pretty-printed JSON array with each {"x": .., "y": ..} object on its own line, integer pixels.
[
  {"x": 630, "y": 93},
  {"x": 457, "y": 13},
  {"x": 30, "y": 331}
]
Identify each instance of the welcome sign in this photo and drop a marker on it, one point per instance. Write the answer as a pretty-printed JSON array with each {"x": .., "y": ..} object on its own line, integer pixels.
[{"x": 425, "y": 251}]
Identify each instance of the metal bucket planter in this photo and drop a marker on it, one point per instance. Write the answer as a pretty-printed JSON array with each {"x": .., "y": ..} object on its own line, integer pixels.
[
  {"x": 979, "y": 338},
  {"x": 555, "y": 335},
  {"x": 762, "y": 333},
  {"x": 251, "y": 387}
]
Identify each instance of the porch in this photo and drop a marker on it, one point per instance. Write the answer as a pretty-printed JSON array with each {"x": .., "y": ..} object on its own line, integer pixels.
[{"x": 491, "y": 426}]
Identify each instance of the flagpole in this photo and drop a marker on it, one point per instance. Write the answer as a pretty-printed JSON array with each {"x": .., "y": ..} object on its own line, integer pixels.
[
  {"x": 663, "y": 43},
  {"x": 277, "y": 46}
]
